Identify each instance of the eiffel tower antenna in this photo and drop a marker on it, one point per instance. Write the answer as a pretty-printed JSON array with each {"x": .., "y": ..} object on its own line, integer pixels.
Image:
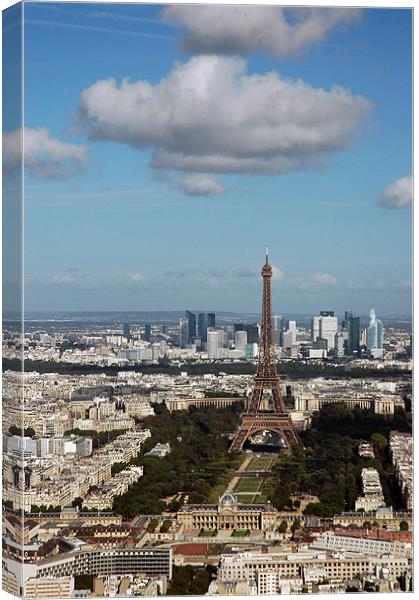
[{"x": 266, "y": 384}]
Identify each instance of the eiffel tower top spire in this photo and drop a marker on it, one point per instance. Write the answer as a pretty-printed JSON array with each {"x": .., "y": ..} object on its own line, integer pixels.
[{"x": 266, "y": 363}]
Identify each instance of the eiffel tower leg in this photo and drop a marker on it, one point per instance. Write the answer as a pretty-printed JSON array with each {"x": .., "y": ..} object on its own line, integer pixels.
[
  {"x": 291, "y": 437},
  {"x": 239, "y": 439}
]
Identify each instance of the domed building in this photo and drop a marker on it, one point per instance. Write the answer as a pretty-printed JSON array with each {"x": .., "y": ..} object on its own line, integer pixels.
[
  {"x": 228, "y": 499},
  {"x": 228, "y": 514}
]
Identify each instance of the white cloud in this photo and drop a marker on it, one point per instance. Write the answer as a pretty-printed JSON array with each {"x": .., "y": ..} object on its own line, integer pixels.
[
  {"x": 63, "y": 279},
  {"x": 200, "y": 184},
  {"x": 398, "y": 194},
  {"x": 135, "y": 278},
  {"x": 209, "y": 116},
  {"x": 277, "y": 274},
  {"x": 45, "y": 156},
  {"x": 324, "y": 279},
  {"x": 313, "y": 282},
  {"x": 246, "y": 272},
  {"x": 242, "y": 29}
]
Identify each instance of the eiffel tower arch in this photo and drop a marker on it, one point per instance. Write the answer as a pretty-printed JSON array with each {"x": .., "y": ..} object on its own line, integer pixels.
[{"x": 266, "y": 408}]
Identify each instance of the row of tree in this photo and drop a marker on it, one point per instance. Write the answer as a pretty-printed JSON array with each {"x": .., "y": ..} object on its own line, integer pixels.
[{"x": 293, "y": 369}]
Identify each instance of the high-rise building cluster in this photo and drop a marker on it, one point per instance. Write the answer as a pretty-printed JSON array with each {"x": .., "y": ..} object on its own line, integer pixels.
[
  {"x": 193, "y": 331},
  {"x": 350, "y": 339},
  {"x": 234, "y": 341},
  {"x": 328, "y": 337}
]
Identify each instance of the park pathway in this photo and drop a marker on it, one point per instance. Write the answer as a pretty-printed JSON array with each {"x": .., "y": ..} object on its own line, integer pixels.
[{"x": 232, "y": 484}]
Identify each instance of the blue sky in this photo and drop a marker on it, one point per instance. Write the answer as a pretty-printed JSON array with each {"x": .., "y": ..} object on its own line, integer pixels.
[{"x": 119, "y": 218}]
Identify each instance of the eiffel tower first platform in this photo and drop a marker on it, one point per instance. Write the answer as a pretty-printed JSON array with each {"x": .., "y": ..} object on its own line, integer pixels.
[{"x": 266, "y": 409}]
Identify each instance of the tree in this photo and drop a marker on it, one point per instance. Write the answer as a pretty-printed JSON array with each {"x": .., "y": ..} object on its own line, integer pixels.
[
  {"x": 296, "y": 525},
  {"x": 13, "y": 430},
  {"x": 28, "y": 432},
  {"x": 188, "y": 580},
  {"x": 167, "y": 523},
  {"x": 378, "y": 441},
  {"x": 83, "y": 582},
  {"x": 151, "y": 527},
  {"x": 283, "y": 526},
  {"x": 404, "y": 526},
  {"x": 319, "y": 509},
  {"x": 174, "y": 506},
  {"x": 289, "y": 504}
]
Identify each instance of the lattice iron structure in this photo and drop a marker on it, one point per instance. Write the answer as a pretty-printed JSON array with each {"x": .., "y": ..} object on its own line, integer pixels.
[{"x": 266, "y": 386}]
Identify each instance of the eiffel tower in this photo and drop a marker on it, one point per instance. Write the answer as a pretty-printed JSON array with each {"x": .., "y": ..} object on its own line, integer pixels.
[{"x": 266, "y": 409}]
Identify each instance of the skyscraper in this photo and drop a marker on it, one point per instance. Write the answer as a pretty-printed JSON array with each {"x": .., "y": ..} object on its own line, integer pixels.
[
  {"x": 339, "y": 345},
  {"x": 315, "y": 328},
  {"x": 183, "y": 332},
  {"x": 353, "y": 325},
  {"x": 324, "y": 326},
  {"x": 374, "y": 332},
  {"x": 345, "y": 320},
  {"x": 213, "y": 343},
  {"x": 210, "y": 319},
  {"x": 277, "y": 328},
  {"x": 202, "y": 326},
  {"x": 240, "y": 340},
  {"x": 292, "y": 327},
  {"x": 289, "y": 337},
  {"x": 127, "y": 331},
  {"x": 191, "y": 320},
  {"x": 221, "y": 338},
  {"x": 328, "y": 328},
  {"x": 252, "y": 333},
  {"x": 147, "y": 332}
]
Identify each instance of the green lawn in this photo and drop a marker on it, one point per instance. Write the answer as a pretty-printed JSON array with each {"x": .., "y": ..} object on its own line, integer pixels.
[
  {"x": 218, "y": 490},
  {"x": 240, "y": 533},
  {"x": 248, "y": 484},
  {"x": 262, "y": 463},
  {"x": 207, "y": 533},
  {"x": 247, "y": 498}
]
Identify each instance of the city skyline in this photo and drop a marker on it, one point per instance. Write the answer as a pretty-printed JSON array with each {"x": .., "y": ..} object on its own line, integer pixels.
[{"x": 147, "y": 222}]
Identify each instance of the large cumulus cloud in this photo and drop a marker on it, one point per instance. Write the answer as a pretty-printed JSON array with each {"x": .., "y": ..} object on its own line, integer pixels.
[
  {"x": 244, "y": 29},
  {"x": 209, "y": 116}
]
